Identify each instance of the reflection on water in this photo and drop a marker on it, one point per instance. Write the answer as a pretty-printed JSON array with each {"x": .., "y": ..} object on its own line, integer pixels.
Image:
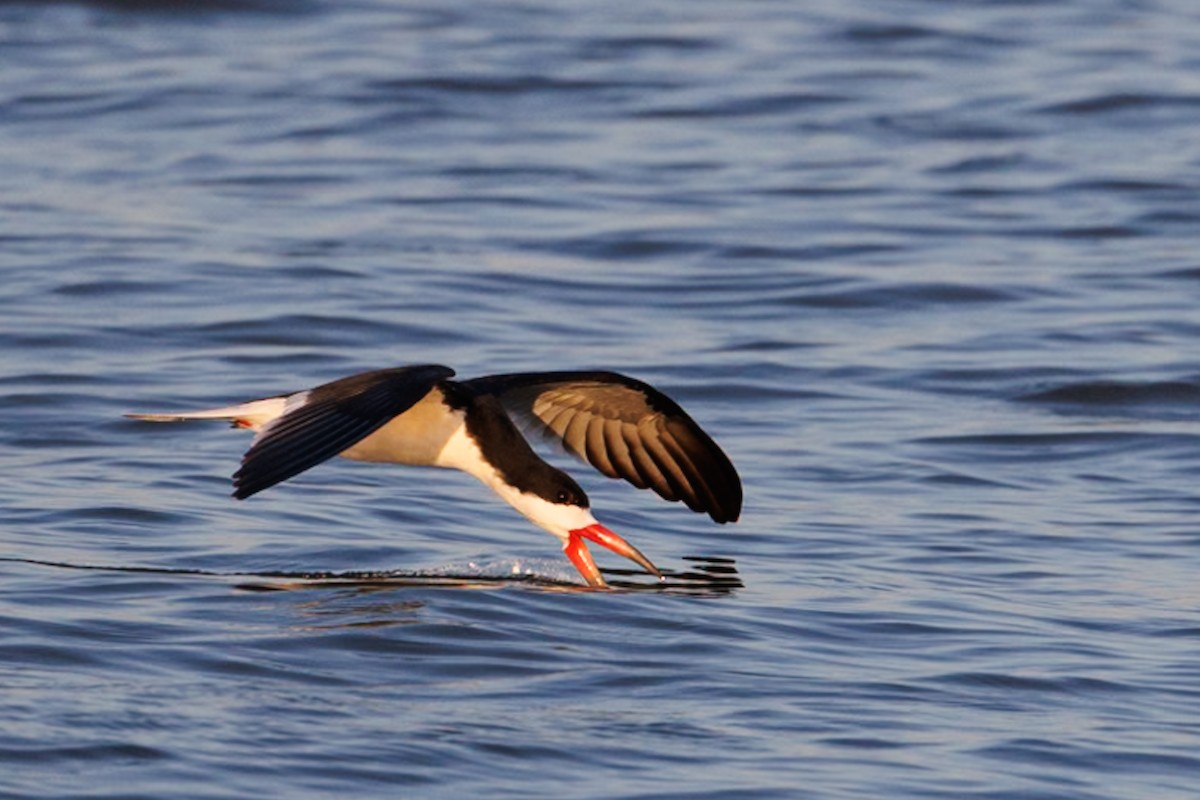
[{"x": 704, "y": 576}]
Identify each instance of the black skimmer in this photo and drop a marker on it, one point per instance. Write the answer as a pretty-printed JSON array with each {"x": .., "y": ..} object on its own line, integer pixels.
[{"x": 417, "y": 415}]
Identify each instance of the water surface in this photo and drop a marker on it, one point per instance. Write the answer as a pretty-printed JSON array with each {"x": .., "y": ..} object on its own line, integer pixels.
[{"x": 927, "y": 272}]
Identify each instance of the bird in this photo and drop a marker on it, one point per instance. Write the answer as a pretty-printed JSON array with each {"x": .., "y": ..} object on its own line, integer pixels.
[{"x": 418, "y": 415}]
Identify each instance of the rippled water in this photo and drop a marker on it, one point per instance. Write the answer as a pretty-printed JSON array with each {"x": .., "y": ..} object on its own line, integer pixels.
[{"x": 926, "y": 270}]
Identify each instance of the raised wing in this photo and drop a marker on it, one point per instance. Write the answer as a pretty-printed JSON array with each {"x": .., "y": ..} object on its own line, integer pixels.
[
  {"x": 322, "y": 422},
  {"x": 625, "y": 429}
]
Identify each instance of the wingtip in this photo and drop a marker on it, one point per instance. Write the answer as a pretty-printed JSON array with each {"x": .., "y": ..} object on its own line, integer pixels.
[
  {"x": 729, "y": 508},
  {"x": 243, "y": 488},
  {"x": 725, "y": 519},
  {"x": 240, "y": 490}
]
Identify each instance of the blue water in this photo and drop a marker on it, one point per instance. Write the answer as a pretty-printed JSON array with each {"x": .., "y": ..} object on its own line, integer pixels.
[{"x": 927, "y": 271}]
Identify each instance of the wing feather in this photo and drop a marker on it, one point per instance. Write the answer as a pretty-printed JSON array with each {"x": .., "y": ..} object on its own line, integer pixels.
[
  {"x": 618, "y": 454},
  {"x": 649, "y": 472},
  {"x": 595, "y": 447},
  {"x": 332, "y": 418},
  {"x": 555, "y": 418},
  {"x": 625, "y": 429},
  {"x": 575, "y": 434},
  {"x": 670, "y": 468},
  {"x": 701, "y": 495}
]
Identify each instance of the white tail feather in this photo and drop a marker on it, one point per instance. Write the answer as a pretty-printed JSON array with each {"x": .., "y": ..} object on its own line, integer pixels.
[{"x": 252, "y": 416}]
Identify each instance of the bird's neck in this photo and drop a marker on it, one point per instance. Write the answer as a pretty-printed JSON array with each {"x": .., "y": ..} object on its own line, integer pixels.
[
  {"x": 489, "y": 446},
  {"x": 493, "y": 439},
  {"x": 464, "y": 452}
]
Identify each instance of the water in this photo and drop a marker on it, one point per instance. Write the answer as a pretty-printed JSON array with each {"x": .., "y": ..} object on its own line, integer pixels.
[{"x": 926, "y": 270}]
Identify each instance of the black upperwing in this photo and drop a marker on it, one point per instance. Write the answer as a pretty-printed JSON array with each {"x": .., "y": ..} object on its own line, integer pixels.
[
  {"x": 332, "y": 418},
  {"x": 625, "y": 429}
]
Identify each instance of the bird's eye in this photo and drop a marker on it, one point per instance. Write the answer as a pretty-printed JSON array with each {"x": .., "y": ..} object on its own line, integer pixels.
[{"x": 563, "y": 496}]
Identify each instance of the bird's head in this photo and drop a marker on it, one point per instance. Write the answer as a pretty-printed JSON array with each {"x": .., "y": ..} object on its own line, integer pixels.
[{"x": 552, "y": 500}]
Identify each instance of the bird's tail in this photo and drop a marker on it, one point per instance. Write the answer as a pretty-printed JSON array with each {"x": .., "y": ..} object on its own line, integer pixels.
[{"x": 252, "y": 416}]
